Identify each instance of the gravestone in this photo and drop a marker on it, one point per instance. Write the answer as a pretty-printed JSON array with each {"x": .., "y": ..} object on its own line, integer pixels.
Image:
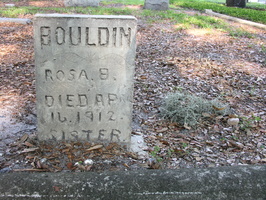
[
  {"x": 84, "y": 76},
  {"x": 83, "y": 3},
  {"x": 156, "y": 4}
]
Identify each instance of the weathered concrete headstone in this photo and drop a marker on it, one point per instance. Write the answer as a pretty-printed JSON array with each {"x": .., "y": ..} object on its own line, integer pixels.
[
  {"x": 84, "y": 76},
  {"x": 83, "y": 3},
  {"x": 156, "y": 4}
]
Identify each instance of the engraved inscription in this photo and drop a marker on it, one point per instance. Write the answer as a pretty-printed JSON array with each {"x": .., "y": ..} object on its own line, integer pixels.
[
  {"x": 86, "y": 36},
  {"x": 126, "y": 36},
  {"x": 88, "y": 116},
  {"x": 45, "y": 35},
  {"x": 112, "y": 117},
  {"x": 88, "y": 132},
  {"x": 80, "y": 100},
  {"x": 113, "y": 135},
  {"x": 60, "y": 35},
  {"x": 101, "y": 134},
  {"x": 104, "y": 36},
  {"x": 73, "y": 75},
  {"x": 75, "y": 35},
  {"x": 104, "y": 73}
]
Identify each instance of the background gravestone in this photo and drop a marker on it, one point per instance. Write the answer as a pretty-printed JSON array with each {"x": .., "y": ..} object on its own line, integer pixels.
[
  {"x": 156, "y": 4},
  {"x": 84, "y": 76},
  {"x": 83, "y": 3}
]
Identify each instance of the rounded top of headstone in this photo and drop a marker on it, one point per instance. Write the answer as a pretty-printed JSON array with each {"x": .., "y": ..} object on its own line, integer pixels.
[{"x": 56, "y": 15}]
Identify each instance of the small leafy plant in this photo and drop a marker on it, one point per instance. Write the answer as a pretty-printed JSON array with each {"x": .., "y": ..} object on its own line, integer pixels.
[
  {"x": 248, "y": 123},
  {"x": 155, "y": 155}
]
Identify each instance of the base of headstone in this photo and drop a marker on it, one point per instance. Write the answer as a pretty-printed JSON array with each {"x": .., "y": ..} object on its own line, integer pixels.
[
  {"x": 82, "y": 3},
  {"x": 156, "y": 4}
]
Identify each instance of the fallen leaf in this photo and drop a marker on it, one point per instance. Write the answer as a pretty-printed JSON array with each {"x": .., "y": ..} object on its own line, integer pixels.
[
  {"x": 162, "y": 130},
  {"x": 133, "y": 155},
  {"x": 58, "y": 168},
  {"x": 70, "y": 165},
  {"x": 125, "y": 164},
  {"x": 56, "y": 188},
  {"x": 206, "y": 115},
  {"x": 135, "y": 133},
  {"x": 173, "y": 124},
  {"x": 198, "y": 158},
  {"x": 65, "y": 150},
  {"x": 164, "y": 142},
  {"x": 30, "y": 150},
  {"x": 28, "y": 144},
  {"x": 217, "y": 108},
  {"x": 24, "y": 138},
  {"x": 187, "y": 127},
  {"x": 99, "y": 146},
  {"x": 143, "y": 77},
  {"x": 236, "y": 144}
]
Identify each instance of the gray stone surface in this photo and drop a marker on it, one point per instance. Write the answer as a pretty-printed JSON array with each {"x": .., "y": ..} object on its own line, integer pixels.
[
  {"x": 82, "y": 3},
  {"x": 84, "y": 76},
  {"x": 225, "y": 183},
  {"x": 9, "y": 5},
  {"x": 156, "y": 4},
  {"x": 16, "y": 20},
  {"x": 139, "y": 146}
]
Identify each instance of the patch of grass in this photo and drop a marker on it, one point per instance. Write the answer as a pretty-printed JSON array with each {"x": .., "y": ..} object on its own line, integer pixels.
[
  {"x": 205, "y": 22},
  {"x": 256, "y": 5},
  {"x": 15, "y": 12},
  {"x": 244, "y": 13},
  {"x": 239, "y": 33},
  {"x": 182, "y": 20},
  {"x": 185, "y": 21},
  {"x": 187, "y": 109},
  {"x": 153, "y": 16}
]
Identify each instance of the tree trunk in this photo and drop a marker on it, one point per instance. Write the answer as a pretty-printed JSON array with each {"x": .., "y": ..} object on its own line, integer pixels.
[
  {"x": 237, "y": 3},
  {"x": 230, "y": 3},
  {"x": 240, "y": 3}
]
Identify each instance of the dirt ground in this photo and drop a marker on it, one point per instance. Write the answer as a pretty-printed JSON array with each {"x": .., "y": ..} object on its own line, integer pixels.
[{"x": 202, "y": 62}]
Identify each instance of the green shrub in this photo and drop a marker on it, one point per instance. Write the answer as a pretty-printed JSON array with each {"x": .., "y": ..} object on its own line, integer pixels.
[{"x": 187, "y": 109}]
